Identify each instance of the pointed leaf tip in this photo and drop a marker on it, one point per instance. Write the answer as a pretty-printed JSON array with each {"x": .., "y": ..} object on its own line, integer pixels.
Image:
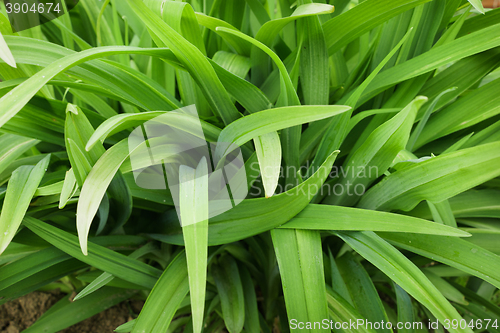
[
  {"x": 5, "y": 53},
  {"x": 71, "y": 108},
  {"x": 478, "y": 5}
]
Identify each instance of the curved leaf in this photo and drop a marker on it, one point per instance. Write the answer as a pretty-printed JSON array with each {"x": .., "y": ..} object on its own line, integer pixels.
[
  {"x": 435, "y": 179},
  {"x": 325, "y": 217},
  {"x": 165, "y": 298},
  {"x": 256, "y": 124},
  {"x": 12, "y": 103},
  {"x": 402, "y": 271},
  {"x": 455, "y": 252},
  {"x": 20, "y": 191},
  {"x": 228, "y": 282},
  {"x": 254, "y": 216}
]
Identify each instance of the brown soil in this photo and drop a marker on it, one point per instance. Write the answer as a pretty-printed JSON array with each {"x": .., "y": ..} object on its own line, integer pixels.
[
  {"x": 491, "y": 3},
  {"x": 21, "y": 313}
]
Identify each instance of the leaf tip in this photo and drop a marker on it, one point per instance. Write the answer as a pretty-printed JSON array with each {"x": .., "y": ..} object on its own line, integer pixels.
[
  {"x": 72, "y": 108},
  {"x": 82, "y": 238},
  {"x": 333, "y": 153},
  {"x": 463, "y": 233},
  {"x": 421, "y": 98},
  {"x": 89, "y": 145},
  {"x": 4, "y": 246}
]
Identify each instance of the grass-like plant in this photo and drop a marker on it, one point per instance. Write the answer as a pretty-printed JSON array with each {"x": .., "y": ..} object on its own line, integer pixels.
[{"x": 370, "y": 132}]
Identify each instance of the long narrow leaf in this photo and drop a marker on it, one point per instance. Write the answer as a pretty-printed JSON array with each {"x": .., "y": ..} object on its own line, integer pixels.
[
  {"x": 194, "y": 218},
  {"x": 20, "y": 191}
]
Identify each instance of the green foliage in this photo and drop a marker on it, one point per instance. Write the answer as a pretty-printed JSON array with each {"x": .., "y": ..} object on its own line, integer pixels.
[{"x": 370, "y": 133}]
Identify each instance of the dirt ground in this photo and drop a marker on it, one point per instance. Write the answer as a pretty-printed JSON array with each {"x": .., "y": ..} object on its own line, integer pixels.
[{"x": 20, "y": 314}]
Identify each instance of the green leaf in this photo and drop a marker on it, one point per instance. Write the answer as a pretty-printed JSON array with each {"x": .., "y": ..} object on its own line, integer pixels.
[
  {"x": 193, "y": 60},
  {"x": 51, "y": 189},
  {"x": 98, "y": 276},
  {"x": 240, "y": 46},
  {"x": 300, "y": 261},
  {"x": 256, "y": 124},
  {"x": 356, "y": 119},
  {"x": 435, "y": 179},
  {"x": 418, "y": 130},
  {"x": 13, "y": 146},
  {"x": 77, "y": 132},
  {"x": 445, "y": 288},
  {"x": 20, "y": 191},
  {"x": 95, "y": 187},
  {"x": 122, "y": 122},
  {"x": 127, "y": 327},
  {"x": 5, "y": 53},
  {"x": 344, "y": 28},
  {"x": 403, "y": 272},
  {"x": 405, "y": 309},
  {"x": 343, "y": 312},
  {"x": 66, "y": 313},
  {"x": 459, "y": 144},
  {"x": 41, "y": 279},
  {"x": 337, "y": 280},
  {"x": 268, "y": 150},
  {"x": 478, "y": 5},
  {"x": 248, "y": 95},
  {"x": 288, "y": 93},
  {"x": 487, "y": 239},
  {"x": 314, "y": 71},
  {"x": 455, "y": 252},
  {"x": 30, "y": 265},
  {"x": 69, "y": 188},
  {"x": 254, "y": 216},
  {"x": 324, "y": 217},
  {"x": 377, "y": 152},
  {"x": 268, "y": 32},
  {"x": 480, "y": 105},
  {"x": 338, "y": 128},
  {"x": 438, "y": 56},
  {"x": 462, "y": 74},
  {"x": 442, "y": 213},
  {"x": 288, "y": 96},
  {"x": 362, "y": 290},
  {"x": 132, "y": 83},
  {"x": 17, "y": 251},
  {"x": 251, "y": 307},
  {"x": 181, "y": 17},
  {"x": 233, "y": 63},
  {"x": 105, "y": 277},
  {"x": 193, "y": 205},
  {"x": 12, "y": 103},
  {"x": 228, "y": 282},
  {"x": 477, "y": 299},
  {"x": 278, "y": 73},
  {"x": 168, "y": 292},
  {"x": 475, "y": 203},
  {"x": 100, "y": 257}
]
